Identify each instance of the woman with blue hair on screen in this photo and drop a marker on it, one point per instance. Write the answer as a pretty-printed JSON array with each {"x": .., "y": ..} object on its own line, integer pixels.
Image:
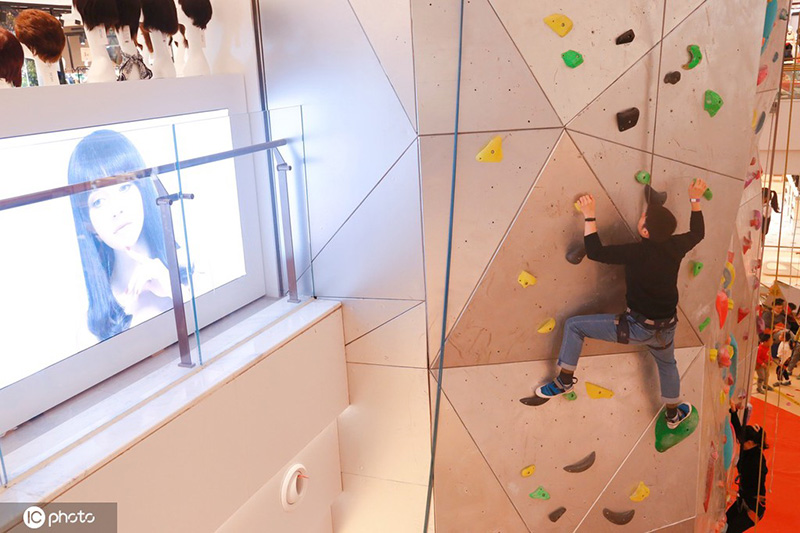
[{"x": 120, "y": 237}]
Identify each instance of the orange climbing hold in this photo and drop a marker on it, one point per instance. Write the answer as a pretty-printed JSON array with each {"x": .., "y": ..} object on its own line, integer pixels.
[{"x": 722, "y": 307}]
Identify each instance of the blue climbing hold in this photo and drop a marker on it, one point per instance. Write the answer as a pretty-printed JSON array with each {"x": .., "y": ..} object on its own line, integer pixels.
[
  {"x": 769, "y": 22},
  {"x": 727, "y": 451}
]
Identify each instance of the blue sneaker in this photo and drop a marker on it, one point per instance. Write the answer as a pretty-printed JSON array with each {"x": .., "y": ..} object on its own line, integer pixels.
[
  {"x": 684, "y": 410},
  {"x": 555, "y": 388}
]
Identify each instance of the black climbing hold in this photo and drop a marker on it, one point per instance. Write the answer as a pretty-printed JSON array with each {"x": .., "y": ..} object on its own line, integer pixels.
[
  {"x": 619, "y": 518},
  {"x": 775, "y": 57},
  {"x": 761, "y": 120},
  {"x": 653, "y": 197},
  {"x": 581, "y": 466},
  {"x": 576, "y": 253},
  {"x": 558, "y": 513},
  {"x": 673, "y": 77},
  {"x": 626, "y": 37},
  {"x": 534, "y": 401},
  {"x": 627, "y": 119}
]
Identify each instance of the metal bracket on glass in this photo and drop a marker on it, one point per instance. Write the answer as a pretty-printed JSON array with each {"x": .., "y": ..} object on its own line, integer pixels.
[
  {"x": 283, "y": 189},
  {"x": 165, "y": 201}
]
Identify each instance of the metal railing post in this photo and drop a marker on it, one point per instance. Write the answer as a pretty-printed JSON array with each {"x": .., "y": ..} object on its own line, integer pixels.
[{"x": 286, "y": 223}]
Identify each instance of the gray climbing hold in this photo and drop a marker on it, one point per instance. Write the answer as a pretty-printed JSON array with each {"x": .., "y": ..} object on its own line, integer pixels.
[
  {"x": 626, "y": 37},
  {"x": 761, "y": 121},
  {"x": 581, "y": 466},
  {"x": 558, "y": 513},
  {"x": 619, "y": 518},
  {"x": 672, "y": 77},
  {"x": 576, "y": 254},
  {"x": 627, "y": 119},
  {"x": 654, "y": 197}
]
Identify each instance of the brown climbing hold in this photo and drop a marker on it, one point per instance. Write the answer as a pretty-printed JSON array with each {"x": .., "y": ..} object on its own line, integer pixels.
[
  {"x": 576, "y": 253},
  {"x": 619, "y": 518},
  {"x": 626, "y": 37},
  {"x": 558, "y": 513},
  {"x": 581, "y": 466},
  {"x": 627, "y": 119},
  {"x": 672, "y": 77}
]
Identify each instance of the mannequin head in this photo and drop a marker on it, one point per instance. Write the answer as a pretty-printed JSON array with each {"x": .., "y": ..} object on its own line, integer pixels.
[
  {"x": 42, "y": 33},
  {"x": 97, "y": 12},
  {"x": 11, "y": 58},
  {"x": 129, "y": 13},
  {"x": 160, "y": 15},
  {"x": 199, "y": 11}
]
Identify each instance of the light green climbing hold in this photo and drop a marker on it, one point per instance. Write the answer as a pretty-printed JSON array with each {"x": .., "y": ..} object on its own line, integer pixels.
[
  {"x": 695, "y": 57},
  {"x": 697, "y": 267},
  {"x": 540, "y": 494},
  {"x": 705, "y": 324},
  {"x": 667, "y": 438},
  {"x": 713, "y": 102},
  {"x": 571, "y": 396},
  {"x": 708, "y": 195},
  {"x": 643, "y": 177},
  {"x": 572, "y": 58}
]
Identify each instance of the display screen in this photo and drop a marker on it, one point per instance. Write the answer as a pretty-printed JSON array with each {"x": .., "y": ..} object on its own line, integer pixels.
[{"x": 79, "y": 270}]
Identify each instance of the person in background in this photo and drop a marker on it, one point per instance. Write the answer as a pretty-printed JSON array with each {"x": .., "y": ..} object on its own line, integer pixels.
[
  {"x": 775, "y": 322},
  {"x": 785, "y": 349},
  {"x": 769, "y": 200},
  {"x": 791, "y": 317},
  {"x": 762, "y": 363},
  {"x": 751, "y": 503}
]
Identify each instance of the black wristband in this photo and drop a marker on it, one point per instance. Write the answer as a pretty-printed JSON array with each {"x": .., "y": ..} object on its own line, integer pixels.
[{"x": 590, "y": 219}]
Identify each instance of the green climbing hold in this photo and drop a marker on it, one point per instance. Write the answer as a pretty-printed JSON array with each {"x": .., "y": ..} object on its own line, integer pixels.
[
  {"x": 708, "y": 195},
  {"x": 540, "y": 494},
  {"x": 697, "y": 266},
  {"x": 572, "y": 58},
  {"x": 667, "y": 438},
  {"x": 643, "y": 177},
  {"x": 713, "y": 102},
  {"x": 571, "y": 396},
  {"x": 705, "y": 324},
  {"x": 696, "y": 57}
]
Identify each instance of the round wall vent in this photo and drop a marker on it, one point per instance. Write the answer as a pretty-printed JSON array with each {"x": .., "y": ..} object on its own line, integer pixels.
[{"x": 295, "y": 486}]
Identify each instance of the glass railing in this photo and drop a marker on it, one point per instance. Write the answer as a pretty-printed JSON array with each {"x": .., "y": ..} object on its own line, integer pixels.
[{"x": 127, "y": 245}]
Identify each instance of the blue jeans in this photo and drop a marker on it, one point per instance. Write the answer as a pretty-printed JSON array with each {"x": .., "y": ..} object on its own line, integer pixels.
[{"x": 602, "y": 327}]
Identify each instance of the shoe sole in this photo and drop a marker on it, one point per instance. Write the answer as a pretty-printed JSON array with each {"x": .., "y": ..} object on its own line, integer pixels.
[{"x": 684, "y": 419}]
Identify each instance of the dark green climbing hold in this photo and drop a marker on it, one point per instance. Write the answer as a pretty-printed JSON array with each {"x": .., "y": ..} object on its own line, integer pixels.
[
  {"x": 708, "y": 195},
  {"x": 713, "y": 102},
  {"x": 626, "y": 37},
  {"x": 572, "y": 58},
  {"x": 643, "y": 177},
  {"x": 571, "y": 396},
  {"x": 558, "y": 513},
  {"x": 697, "y": 266},
  {"x": 672, "y": 77},
  {"x": 627, "y": 119},
  {"x": 540, "y": 494},
  {"x": 667, "y": 438},
  {"x": 761, "y": 121},
  {"x": 619, "y": 518},
  {"x": 705, "y": 324}
]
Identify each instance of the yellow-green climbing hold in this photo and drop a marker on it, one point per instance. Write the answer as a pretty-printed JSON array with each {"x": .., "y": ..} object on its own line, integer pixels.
[
  {"x": 572, "y": 58},
  {"x": 540, "y": 494},
  {"x": 713, "y": 102},
  {"x": 696, "y": 56},
  {"x": 705, "y": 324},
  {"x": 643, "y": 177}
]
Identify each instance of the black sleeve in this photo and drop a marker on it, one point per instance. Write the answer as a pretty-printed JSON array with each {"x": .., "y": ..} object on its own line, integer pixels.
[
  {"x": 613, "y": 255},
  {"x": 737, "y": 426},
  {"x": 697, "y": 230}
]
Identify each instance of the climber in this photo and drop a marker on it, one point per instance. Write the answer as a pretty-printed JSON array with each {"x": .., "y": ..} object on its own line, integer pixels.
[
  {"x": 751, "y": 502},
  {"x": 651, "y": 274}
]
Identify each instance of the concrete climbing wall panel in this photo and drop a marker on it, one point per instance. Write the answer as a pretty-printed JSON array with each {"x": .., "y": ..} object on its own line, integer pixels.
[
  {"x": 498, "y": 90},
  {"x": 677, "y": 11},
  {"x": 723, "y": 30},
  {"x": 636, "y": 88},
  {"x": 501, "y": 320},
  {"x": 488, "y": 198},
  {"x": 596, "y": 27},
  {"x": 512, "y": 436},
  {"x": 670, "y": 477}
]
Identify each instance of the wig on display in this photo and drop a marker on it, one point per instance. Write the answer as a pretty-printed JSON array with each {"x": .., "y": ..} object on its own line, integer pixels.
[
  {"x": 102, "y": 154},
  {"x": 130, "y": 11},
  {"x": 12, "y": 58},
  {"x": 148, "y": 42},
  {"x": 198, "y": 10},
  {"x": 160, "y": 15},
  {"x": 42, "y": 33},
  {"x": 97, "y": 12}
]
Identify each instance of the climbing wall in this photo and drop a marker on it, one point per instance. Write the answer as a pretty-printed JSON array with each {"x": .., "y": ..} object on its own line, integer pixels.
[{"x": 562, "y": 98}]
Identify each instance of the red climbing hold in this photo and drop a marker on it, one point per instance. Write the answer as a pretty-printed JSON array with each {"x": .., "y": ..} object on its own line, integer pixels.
[
  {"x": 747, "y": 243},
  {"x": 755, "y": 222},
  {"x": 722, "y": 307},
  {"x": 763, "y": 71},
  {"x": 743, "y": 313}
]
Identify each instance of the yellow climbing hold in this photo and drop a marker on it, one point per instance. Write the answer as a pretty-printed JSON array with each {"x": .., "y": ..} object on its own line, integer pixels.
[
  {"x": 526, "y": 279},
  {"x": 641, "y": 492},
  {"x": 548, "y": 326},
  {"x": 722, "y": 397},
  {"x": 730, "y": 304},
  {"x": 578, "y": 207},
  {"x": 528, "y": 471},
  {"x": 492, "y": 153},
  {"x": 712, "y": 354},
  {"x": 596, "y": 392},
  {"x": 561, "y": 24}
]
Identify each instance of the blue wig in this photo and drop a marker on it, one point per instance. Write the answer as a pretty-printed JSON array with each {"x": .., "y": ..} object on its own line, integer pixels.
[{"x": 102, "y": 154}]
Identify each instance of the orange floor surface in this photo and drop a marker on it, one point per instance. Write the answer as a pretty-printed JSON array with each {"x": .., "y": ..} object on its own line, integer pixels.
[{"x": 783, "y": 460}]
